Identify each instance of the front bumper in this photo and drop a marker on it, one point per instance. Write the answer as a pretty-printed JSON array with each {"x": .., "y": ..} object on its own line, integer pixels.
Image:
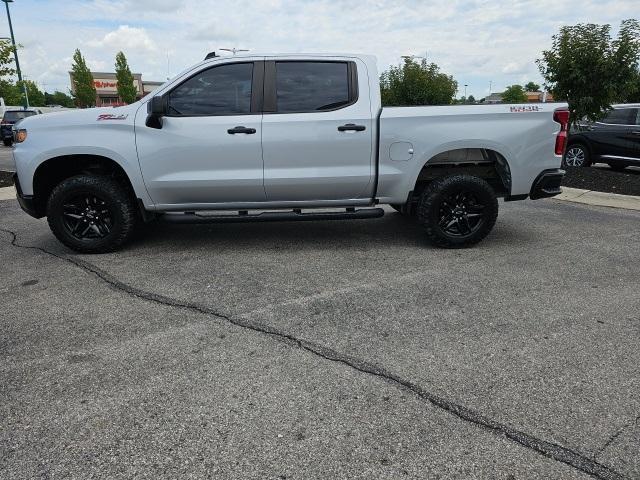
[
  {"x": 27, "y": 202},
  {"x": 547, "y": 184}
]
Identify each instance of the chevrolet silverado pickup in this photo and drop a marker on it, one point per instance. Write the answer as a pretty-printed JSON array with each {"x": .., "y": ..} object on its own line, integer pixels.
[{"x": 282, "y": 137}]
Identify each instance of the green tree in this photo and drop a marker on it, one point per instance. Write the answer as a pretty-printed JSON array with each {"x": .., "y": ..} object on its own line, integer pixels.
[
  {"x": 589, "y": 69},
  {"x": 58, "y": 98},
  {"x": 10, "y": 92},
  {"x": 514, "y": 94},
  {"x": 36, "y": 97},
  {"x": 633, "y": 95},
  {"x": 7, "y": 68},
  {"x": 127, "y": 90},
  {"x": 471, "y": 99},
  {"x": 417, "y": 84},
  {"x": 532, "y": 87},
  {"x": 84, "y": 92}
]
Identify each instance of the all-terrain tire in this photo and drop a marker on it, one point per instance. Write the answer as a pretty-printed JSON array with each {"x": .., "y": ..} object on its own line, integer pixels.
[
  {"x": 457, "y": 211},
  {"x": 110, "y": 195}
]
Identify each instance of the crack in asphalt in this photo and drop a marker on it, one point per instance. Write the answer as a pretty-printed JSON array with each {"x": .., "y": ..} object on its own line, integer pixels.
[
  {"x": 548, "y": 449},
  {"x": 614, "y": 437}
]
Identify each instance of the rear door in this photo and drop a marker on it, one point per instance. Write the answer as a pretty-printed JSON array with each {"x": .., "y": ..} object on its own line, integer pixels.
[
  {"x": 317, "y": 130},
  {"x": 611, "y": 137}
]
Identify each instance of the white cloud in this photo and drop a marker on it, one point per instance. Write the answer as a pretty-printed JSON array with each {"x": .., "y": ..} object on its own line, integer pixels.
[
  {"x": 125, "y": 38},
  {"x": 516, "y": 68},
  {"x": 474, "y": 40}
]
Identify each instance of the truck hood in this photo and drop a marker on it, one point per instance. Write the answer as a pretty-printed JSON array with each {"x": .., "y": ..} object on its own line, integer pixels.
[{"x": 82, "y": 117}]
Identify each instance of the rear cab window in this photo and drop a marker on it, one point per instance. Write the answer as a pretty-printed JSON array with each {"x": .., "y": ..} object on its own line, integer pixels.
[{"x": 313, "y": 86}]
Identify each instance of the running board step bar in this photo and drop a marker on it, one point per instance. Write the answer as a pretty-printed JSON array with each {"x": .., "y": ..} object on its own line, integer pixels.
[{"x": 294, "y": 215}]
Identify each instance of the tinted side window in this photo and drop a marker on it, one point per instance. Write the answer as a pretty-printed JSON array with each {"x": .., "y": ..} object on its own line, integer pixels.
[
  {"x": 311, "y": 86},
  {"x": 223, "y": 90},
  {"x": 13, "y": 115},
  {"x": 620, "y": 116}
]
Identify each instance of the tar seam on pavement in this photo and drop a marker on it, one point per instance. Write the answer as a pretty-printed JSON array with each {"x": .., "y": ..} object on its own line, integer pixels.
[{"x": 548, "y": 449}]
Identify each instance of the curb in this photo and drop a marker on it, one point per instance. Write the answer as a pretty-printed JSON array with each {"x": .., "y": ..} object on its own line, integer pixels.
[
  {"x": 7, "y": 193},
  {"x": 601, "y": 199}
]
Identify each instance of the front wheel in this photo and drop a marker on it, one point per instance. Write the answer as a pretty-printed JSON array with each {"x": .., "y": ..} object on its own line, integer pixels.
[
  {"x": 91, "y": 213},
  {"x": 457, "y": 211}
]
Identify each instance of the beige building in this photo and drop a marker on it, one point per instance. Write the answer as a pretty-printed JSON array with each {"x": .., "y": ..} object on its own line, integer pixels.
[{"x": 107, "y": 88}]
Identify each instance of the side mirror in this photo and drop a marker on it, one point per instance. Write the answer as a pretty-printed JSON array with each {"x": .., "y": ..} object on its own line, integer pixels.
[{"x": 156, "y": 108}]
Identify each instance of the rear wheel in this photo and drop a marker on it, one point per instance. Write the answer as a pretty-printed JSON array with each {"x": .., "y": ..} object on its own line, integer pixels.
[
  {"x": 91, "y": 213},
  {"x": 576, "y": 155},
  {"x": 457, "y": 211}
]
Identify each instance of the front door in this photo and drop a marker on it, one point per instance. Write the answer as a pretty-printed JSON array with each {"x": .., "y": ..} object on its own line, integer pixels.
[
  {"x": 611, "y": 138},
  {"x": 208, "y": 149},
  {"x": 634, "y": 135},
  {"x": 317, "y": 131}
]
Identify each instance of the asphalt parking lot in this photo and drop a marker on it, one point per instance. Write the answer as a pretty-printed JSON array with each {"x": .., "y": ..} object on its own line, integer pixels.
[
  {"x": 6, "y": 159},
  {"x": 325, "y": 350}
]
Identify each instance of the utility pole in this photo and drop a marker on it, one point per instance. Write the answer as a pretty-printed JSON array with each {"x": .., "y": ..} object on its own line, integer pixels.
[
  {"x": 15, "y": 55},
  {"x": 490, "y": 86}
]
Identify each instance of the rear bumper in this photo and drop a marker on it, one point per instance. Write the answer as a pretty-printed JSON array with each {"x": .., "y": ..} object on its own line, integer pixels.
[
  {"x": 547, "y": 184},
  {"x": 27, "y": 202}
]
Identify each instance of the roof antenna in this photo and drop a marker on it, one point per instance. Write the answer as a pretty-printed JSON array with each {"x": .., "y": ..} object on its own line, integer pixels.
[
  {"x": 210, "y": 55},
  {"x": 234, "y": 50}
]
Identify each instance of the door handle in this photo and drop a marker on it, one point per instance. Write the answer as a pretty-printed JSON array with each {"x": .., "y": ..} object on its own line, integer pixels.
[
  {"x": 351, "y": 127},
  {"x": 249, "y": 131}
]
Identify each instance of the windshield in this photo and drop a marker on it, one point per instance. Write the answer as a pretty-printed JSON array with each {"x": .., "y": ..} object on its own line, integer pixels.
[{"x": 15, "y": 115}]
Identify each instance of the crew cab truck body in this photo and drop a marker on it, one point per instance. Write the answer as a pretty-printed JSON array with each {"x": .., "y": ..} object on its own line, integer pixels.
[{"x": 294, "y": 136}]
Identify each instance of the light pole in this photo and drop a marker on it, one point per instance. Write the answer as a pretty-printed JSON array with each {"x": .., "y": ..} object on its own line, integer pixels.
[
  {"x": 15, "y": 55},
  {"x": 465, "y": 92}
]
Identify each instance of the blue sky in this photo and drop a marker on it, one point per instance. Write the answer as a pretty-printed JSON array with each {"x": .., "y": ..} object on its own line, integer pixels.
[{"x": 476, "y": 41}]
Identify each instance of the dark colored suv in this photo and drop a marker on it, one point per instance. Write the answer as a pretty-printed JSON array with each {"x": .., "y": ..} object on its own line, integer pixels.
[
  {"x": 614, "y": 140},
  {"x": 9, "y": 119}
]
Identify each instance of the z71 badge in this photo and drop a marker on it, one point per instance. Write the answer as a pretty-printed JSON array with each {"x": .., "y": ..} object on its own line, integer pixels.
[{"x": 111, "y": 116}]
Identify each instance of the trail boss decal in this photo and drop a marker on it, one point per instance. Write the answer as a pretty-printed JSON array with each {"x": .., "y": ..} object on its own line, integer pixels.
[
  {"x": 111, "y": 116},
  {"x": 527, "y": 108}
]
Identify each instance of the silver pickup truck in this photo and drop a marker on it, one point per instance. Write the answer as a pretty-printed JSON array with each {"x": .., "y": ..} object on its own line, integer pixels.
[{"x": 282, "y": 137}]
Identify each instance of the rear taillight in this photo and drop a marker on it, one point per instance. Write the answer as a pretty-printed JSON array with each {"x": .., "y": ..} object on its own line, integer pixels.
[{"x": 561, "y": 116}]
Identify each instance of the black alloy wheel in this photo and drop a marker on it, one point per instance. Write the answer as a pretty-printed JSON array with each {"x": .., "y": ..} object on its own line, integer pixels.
[
  {"x": 461, "y": 214},
  {"x": 87, "y": 217}
]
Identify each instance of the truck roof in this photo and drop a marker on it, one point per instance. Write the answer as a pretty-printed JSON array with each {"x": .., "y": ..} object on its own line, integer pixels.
[{"x": 294, "y": 54}]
